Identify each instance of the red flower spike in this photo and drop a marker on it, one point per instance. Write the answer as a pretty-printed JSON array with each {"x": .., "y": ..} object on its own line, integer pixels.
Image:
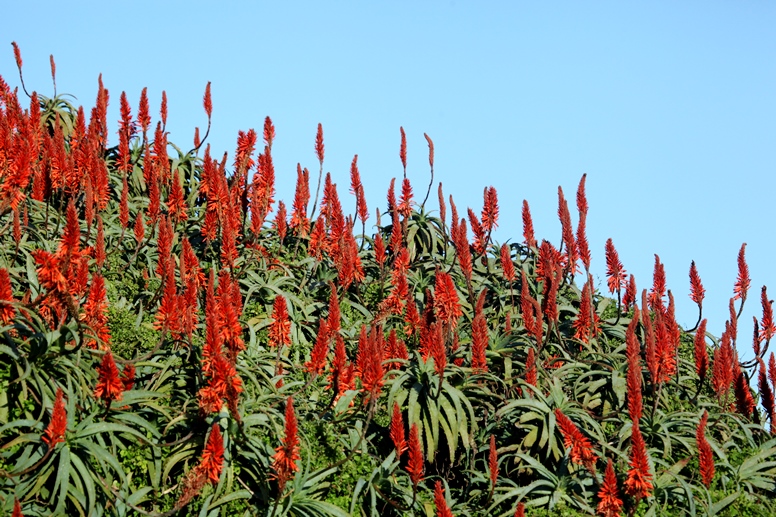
[
  {"x": 319, "y": 144},
  {"x": 446, "y": 305},
  {"x": 493, "y": 462},
  {"x": 507, "y": 266},
  {"x": 269, "y": 132},
  {"x": 520, "y": 510},
  {"x": 609, "y": 502},
  {"x": 634, "y": 370},
  {"x": 438, "y": 350},
  {"x": 213, "y": 455},
  {"x": 567, "y": 231},
  {"x": 139, "y": 228},
  {"x": 286, "y": 456},
  {"x": 431, "y": 157},
  {"x": 489, "y": 216},
  {"x": 705, "y": 456},
  {"x": 299, "y": 221},
  {"x": 722, "y": 367},
  {"x": 766, "y": 395},
  {"x": 55, "y": 431},
  {"x": 478, "y": 232},
  {"x": 530, "y": 367},
  {"x": 639, "y": 481},
  {"x": 96, "y": 311},
  {"x": 207, "y": 102},
  {"x": 581, "y": 197},
  {"x": 17, "y": 507},
  {"x": 581, "y": 448},
  {"x": 18, "y": 55},
  {"x": 280, "y": 221},
  {"x": 442, "y": 207},
  {"x": 479, "y": 337},
  {"x": 462, "y": 249},
  {"x": 701, "y": 352},
  {"x": 405, "y": 202},
  {"x": 697, "y": 292},
  {"x": 629, "y": 298},
  {"x": 403, "y": 150},
  {"x": 109, "y": 386},
  {"x": 615, "y": 273},
  {"x": 397, "y": 431},
  {"x": 744, "y": 401},
  {"x": 767, "y": 325},
  {"x": 280, "y": 328},
  {"x": 143, "y": 117},
  {"x": 528, "y": 230},
  {"x": 128, "y": 377},
  {"x": 442, "y": 510},
  {"x": 7, "y": 311},
  {"x": 415, "y": 462},
  {"x": 742, "y": 281},
  {"x": 583, "y": 248},
  {"x": 772, "y": 370},
  {"x": 163, "y": 108},
  {"x": 317, "y": 362},
  {"x": 658, "y": 290},
  {"x": 99, "y": 247}
]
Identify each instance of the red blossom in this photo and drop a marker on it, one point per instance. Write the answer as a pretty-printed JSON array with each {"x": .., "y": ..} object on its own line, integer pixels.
[
  {"x": 633, "y": 352},
  {"x": 489, "y": 217},
  {"x": 299, "y": 221},
  {"x": 446, "y": 305},
  {"x": 493, "y": 462},
  {"x": 479, "y": 336},
  {"x": 567, "y": 231},
  {"x": 55, "y": 431},
  {"x": 530, "y": 367},
  {"x": 319, "y": 144},
  {"x": 369, "y": 361},
  {"x": 431, "y": 155},
  {"x": 583, "y": 248},
  {"x": 615, "y": 273},
  {"x": 701, "y": 352},
  {"x": 286, "y": 456},
  {"x": 528, "y": 230},
  {"x": 697, "y": 291},
  {"x": 109, "y": 385},
  {"x": 207, "y": 101},
  {"x": 17, "y": 509},
  {"x": 405, "y": 202},
  {"x": 507, "y": 266},
  {"x": 630, "y": 294},
  {"x": 96, "y": 312},
  {"x": 403, "y": 150},
  {"x": 767, "y": 325},
  {"x": 317, "y": 362},
  {"x": 705, "y": 457},
  {"x": 442, "y": 207},
  {"x": 357, "y": 189},
  {"x": 742, "y": 281},
  {"x": 766, "y": 395},
  {"x": 397, "y": 431},
  {"x": 658, "y": 290},
  {"x": 415, "y": 462},
  {"x": 639, "y": 481},
  {"x": 7, "y": 311},
  {"x": 609, "y": 502},
  {"x": 520, "y": 510},
  {"x": 280, "y": 328},
  {"x": 442, "y": 510},
  {"x": 581, "y": 448},
  {"x": 213, "y": 455},
  {"x": 99, "y": 246}
]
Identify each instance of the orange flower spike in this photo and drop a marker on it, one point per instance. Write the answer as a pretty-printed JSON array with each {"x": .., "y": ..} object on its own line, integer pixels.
[
  {"x": 581, "y": 448},
  {"x": 286, "y": 456},
  {"x": 658, "y": 290},
  {"x": 583, "y": 248},
  {"x": 479, "y": 337},
  {"x": 431, "y": 161},
  {"x": 212, "y": 461},
  {"x": 633, "y": 352},
  {"x": 581, "y": 196},
  {"x": 639, "y": 481},
  {"x": 446, "y": 305},
  {"x": 442, "y": 206},
  {"x": 568, "y": 232},
  {"x": 701, "y": 352},
  {"x": 207, "y": 102},
  {"x": 530, "y": 367},
  {"x": 697, "y": 292},
  {"x": 415, "y": 464},
  {"x": 442, "y": 510},
  {"x": 319, "y": 148},
  {"x": 143, "y": 117},
  {"x": 109, "y": 385},
  {"x": 705, "y": 456},
  {"x": 357, "y": 189},
  {"x": 7, "y": 311},
  {"x": 96, "y": 311},
  {"x": 163, "y": 108},
  {"x": 493, "y": 462},
  {"x": 766, "y": 395},
  {"x": 17, "y": 509},
  {"x": 99, "y": 246},
  {"x": 615, "y": 273},
  {"x": 280, "y": 221},
  {"x": 629, "y": 298},
  {"x": 528, "y": 229},
  {"x": 405, "y": 202},
  {"x": 742, "y": 281},
  {"x": 317, "y": 362},
  {"x": 55, "y": 431},
  {"x": 767, "y": 325},
  {"x": 507, "y": 266},
  {"x": 397, "y": 431},
  {"x": 139, "y": 228},
  {"x": 609, "y": 502},
  {"x": 403, "y": 150},
  {"x": 520, "y": 510}
]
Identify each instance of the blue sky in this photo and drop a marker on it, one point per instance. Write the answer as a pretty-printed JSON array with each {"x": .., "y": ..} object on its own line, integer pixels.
[{"x": 670, "y": 108}]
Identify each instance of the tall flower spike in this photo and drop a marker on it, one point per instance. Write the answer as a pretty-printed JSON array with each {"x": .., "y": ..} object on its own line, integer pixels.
[
  {"x": 530, "y": 367},
  {"x": 403, "y": 151},
  {"x": 701, "y": 352},
  {"x": 742, "y": 281},
  {"x": 766, "y": 395},
  {"x": 286, "y": 456},
  {"x": 415, "y": 462},
  {"x": 705, "y": 456},
  {"x": 109, "y": 386},
  {"x": 446, "y": 305},
  {"x": 397, "y": 431},
  {"x": 507, "y": 266},
  {"x": 213, "y": 455},
  {"x": 7, "y": 311},
  {"x": 767, "y": 325},
  {"x": 430, "y": 152},
  {"x": 493, "y": 462},
  {"x": 317, "y": 362},
  {"x": 634, "y": 369},
  {"x": 442, "y": 510},
  {"x": 581, "y": 448},
  {"x": 615, "y": 273},
  {"x": 55, "y": 432},
  {"x": 520, "y": 510},
  {"x": 528, "y": 230},
  {"x": 609, "y": 502},
  {"x": 639, "y": 481},
  {"x": 207, "y": 101},
  {"x": 697, "y": 292},
  {"x": 280, "y": 328},
  {"x": 319, "y": 144},
  {"x": 17, "y": 509}
]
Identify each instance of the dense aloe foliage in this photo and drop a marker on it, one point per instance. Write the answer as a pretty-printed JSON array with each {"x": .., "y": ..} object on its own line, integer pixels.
[{"x": 176, "y": 341}]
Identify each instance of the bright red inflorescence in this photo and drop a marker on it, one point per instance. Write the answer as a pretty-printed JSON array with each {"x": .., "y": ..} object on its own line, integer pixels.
[
  {"x": 493, "y": 462},
  {"x": 705, "y": 457},
  {"x": 615, "y": 273},
  {"x": 442, "y": 510},
  {"x": 55, "y": 431},
  {"x": 213, "y": 455},
  {"x": 609, "y": 502},
  {"x": 697, "y": 292},
  {"x": 581, "y": 448},
  {"x": 415, "y": 462},
  {"x": 741, "y": 286},
  {"x": 109, "y": 385},
  {"x": 286, "y": 456},
  {"x": 397, "y": 431},
  {"x": 639, "y": 481}
]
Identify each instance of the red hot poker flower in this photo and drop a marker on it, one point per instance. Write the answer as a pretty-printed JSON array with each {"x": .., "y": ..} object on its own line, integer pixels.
[
  {"x": 701, "y": 352},
  {"x": 507, "y": 266},
  {"x": 319, "y": 144},
  {"x": 207, "y": 101},
  {"x": 742, "y": 281},
  {"x": 397, "y": 431},
  {"x": 109, "y": 386},
  {"x": 493, "y": 462},
  {"x": 415, "y": 462},
  {"x": 639, "y": 481},
  {"x": 446, "y": 305},
  {"x": 697, "y": 291},
  {"x": 615, "y": 272},
  {"x": 705, "y": 457},
  {"x": 17, "y": 509},
  {"x": 280, "y": 328},
  {"x": 442, "y": 510},
  {"x": 528, "y": 230},
  {"x": 55, "y": 432},
  {"x": 520, "y": 510},
  {"x": 767, "y": 325},
  {"x": 403, "y": 150},
  {"x": 581, "y": 448},
  {"x": 213, "y": 456},
  {"x": 7, "y": 312},
  {"x": 286, "y": 456},
  {"x": 609, "y": 504}
]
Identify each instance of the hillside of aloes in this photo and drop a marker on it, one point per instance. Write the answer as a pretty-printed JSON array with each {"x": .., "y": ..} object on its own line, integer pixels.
[{"x": 177, "y": 341}]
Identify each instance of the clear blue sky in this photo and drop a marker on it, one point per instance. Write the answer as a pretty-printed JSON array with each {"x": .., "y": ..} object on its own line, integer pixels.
[{"x": 669, "y": 107}]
